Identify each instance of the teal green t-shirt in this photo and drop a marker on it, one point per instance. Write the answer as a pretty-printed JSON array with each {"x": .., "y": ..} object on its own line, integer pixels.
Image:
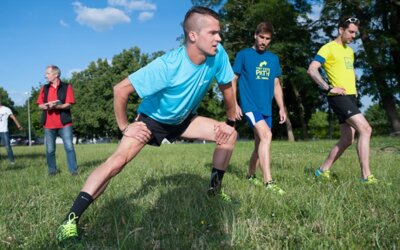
[{"x": 172, "y": 87}]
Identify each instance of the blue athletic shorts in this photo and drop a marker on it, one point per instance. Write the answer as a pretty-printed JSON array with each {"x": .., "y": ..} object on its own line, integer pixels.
[{"x": 254, "y": 117}]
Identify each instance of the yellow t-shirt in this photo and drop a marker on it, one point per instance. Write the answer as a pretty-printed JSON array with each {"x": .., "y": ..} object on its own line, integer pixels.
[{"x": 337, "y": 60}]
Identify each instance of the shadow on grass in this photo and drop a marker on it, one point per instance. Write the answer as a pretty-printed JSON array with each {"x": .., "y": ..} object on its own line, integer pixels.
[{"x": 170, "y": 212}]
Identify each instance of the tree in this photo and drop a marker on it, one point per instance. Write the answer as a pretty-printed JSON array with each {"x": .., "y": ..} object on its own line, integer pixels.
[
  {"x": 378, "y": 120},
  {"x": 379, "y": 55}
]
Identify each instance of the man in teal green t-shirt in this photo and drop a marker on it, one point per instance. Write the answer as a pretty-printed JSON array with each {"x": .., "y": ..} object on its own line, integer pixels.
[{"x": 171, "y": 88}]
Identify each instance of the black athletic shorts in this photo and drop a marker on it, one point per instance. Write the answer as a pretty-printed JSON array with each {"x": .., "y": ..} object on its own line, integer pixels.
[
  {"x": 344, "y": 106},
  {"x": 161, "y": 131}
]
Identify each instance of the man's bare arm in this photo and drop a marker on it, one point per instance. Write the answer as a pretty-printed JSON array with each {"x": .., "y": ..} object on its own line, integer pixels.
[
  {"x": 313, "y": 72},
  {"x": 229, "y": 99},
  {"x": 122, "y": 91}
]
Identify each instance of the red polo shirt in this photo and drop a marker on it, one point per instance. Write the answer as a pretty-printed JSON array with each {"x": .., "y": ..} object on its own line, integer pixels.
[{"x": 53, "y": 119}]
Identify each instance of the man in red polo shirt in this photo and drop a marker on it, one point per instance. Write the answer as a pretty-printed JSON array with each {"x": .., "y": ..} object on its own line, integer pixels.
[{"x": 56, "y": 99}]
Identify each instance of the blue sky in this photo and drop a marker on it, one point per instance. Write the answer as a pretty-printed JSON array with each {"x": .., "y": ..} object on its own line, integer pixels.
[{"x": 71, "y": 34}]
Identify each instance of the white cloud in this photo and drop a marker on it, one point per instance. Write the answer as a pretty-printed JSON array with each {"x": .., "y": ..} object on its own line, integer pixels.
[
  {"x": 99, "y": 19},
  {"x": 145, "y": 15},
  {"x": 64, "y": 24},
  {"x": 133, "y": 5}
]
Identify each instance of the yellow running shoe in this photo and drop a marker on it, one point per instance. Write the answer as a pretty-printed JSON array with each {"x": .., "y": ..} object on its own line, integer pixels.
[
  {"x": 253, "y": 180},
  {"x": 325, "y": 175},
  {"x": 370, "y": 180},
  {"x": 68, "y": 230},
  {"x": 271, "y": 186}
]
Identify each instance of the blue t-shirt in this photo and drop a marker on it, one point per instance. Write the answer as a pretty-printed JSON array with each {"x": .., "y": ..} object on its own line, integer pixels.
[
  {"x": 172, "y": 87},
  {"x": 257, "y": 73}
]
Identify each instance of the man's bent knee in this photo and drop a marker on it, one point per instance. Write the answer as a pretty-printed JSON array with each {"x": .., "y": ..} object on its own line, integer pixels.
[{"x": 233, "y": 138}]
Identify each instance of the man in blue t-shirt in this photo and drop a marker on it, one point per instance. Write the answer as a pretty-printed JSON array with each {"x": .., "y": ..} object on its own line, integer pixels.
[
  {"x": 257, "y": 72},
  {"x": 171, "y": 88}
]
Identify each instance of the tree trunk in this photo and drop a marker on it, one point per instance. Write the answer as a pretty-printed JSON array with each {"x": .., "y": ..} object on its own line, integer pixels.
[
  {"x": 301, "y": 111},
  {"x": 289, "y": 127},
  {"x": 385, "y": 92}
]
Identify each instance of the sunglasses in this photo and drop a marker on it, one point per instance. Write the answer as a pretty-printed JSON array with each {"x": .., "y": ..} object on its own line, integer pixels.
[{"x": 352, "y": 20}]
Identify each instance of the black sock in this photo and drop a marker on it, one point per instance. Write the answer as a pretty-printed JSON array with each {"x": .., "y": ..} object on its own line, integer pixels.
[
  {"x": 248, "y": 176},
  {"x": 80, "y": 204},
  {"x": 216, "y": 178}
]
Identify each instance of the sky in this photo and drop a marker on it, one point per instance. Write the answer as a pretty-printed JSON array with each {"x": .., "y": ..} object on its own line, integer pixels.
[{"x": 72, "y": 34}]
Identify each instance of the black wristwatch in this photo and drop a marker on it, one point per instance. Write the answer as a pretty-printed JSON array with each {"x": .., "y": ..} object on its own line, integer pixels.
[
  {"x": 231, "y": 123},
  {"x": 329, "y": 89}
]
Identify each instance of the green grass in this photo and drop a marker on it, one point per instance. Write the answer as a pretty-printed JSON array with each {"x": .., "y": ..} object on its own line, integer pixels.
[{"x": 159, "y": 201}]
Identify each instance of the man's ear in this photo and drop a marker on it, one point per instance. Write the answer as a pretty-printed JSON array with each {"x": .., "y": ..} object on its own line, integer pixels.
[
  {"x": 341, "y": 30},
  {"x": 192, "y": 36}
]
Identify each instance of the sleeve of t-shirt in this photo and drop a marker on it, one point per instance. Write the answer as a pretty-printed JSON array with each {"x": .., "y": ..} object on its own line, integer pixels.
[
  {"x": 8, "y": 111},
  {"x": 40, "y": 99},
  {"x": 224, "y": 73},
  {"x": 150, "y": 79},
  {"x": 238, "y": 64},
  {"x": 70, "y": 98},
  {"x": 322, "y": 55}
]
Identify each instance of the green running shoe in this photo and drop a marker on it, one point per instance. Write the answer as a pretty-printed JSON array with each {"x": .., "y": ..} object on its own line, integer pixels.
[
  {"x": 224, "y": 197},
  {"x": 220, "y": 193},
  {"x": 253, "y": 180},
  {"x": 272, "y": 187},
  {"x": 325, "y": 175},
  {"x": 68, "y": 230},
  {"x": 370, "y": 180}
]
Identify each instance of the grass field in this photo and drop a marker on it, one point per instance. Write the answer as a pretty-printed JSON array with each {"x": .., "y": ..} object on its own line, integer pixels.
[{"x": 159, "y": 201}]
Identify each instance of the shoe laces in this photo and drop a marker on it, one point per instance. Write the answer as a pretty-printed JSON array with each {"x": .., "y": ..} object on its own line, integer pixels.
[{"x": 69, "y": 228}]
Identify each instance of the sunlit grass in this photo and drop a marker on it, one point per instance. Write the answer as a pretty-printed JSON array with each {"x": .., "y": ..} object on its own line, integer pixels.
[{"x": 159, "y": 201}]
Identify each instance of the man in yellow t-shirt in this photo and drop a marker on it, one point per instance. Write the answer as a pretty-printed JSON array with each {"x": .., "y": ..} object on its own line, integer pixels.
[{"x": 337, "y": 58}]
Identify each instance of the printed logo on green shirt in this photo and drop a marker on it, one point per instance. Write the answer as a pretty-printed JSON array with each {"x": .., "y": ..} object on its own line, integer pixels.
[
  {"x": 348, "y": 63},
  {"x": 262, "y": 72}
]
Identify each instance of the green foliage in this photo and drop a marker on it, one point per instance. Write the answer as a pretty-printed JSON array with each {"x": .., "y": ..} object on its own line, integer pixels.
[
  {"x": 93, "y": 113},
  {"x": 161, "y": 203},
  {"x": 319, "y": 125},
  {"x": 378, "y": 120},
  {"x": 5, "y": 99}
]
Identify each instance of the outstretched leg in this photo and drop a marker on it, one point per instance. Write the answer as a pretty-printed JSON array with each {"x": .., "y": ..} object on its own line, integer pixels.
[
  {"x": 346, "y": 139},
  {"x": 98, "y": 181}
]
